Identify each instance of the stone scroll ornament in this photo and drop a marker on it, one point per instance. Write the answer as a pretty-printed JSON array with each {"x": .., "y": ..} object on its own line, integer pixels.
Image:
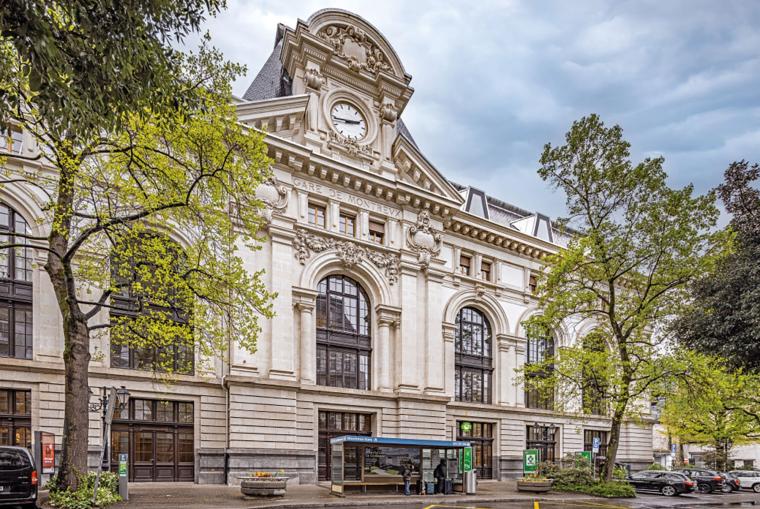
[
  {"x": 274, "y": 196},
  {"x": 355, "y": 47},
  {"x": 348, "y": 252},
  {"x": 424, "y": 239}
]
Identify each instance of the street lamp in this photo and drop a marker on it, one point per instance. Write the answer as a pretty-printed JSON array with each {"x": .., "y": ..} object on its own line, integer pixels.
[{"x": 112, "y": 400}]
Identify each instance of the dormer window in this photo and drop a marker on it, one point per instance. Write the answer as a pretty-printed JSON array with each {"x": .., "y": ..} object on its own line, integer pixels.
[
  {"x": 465, "y": 262},
  {"x": 477, "y": 203}
]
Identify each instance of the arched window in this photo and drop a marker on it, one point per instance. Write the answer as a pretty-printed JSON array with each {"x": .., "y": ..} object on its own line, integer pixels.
[
  {"x": 539, "y": 350},
  {"x": 134, "y": 293},
  {"x": 343, "y": 333},
  {"x": 473, "y": 362},
  {"x": 15, "y": 287}
]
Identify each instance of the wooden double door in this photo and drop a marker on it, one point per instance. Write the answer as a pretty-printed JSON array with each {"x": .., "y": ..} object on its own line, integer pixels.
[{"x": 156, "y": 452}]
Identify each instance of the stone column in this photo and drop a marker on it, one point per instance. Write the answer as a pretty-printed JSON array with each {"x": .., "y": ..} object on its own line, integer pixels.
[
  {"x": 449, "y": 335},
  {"x": 387, "y": 318},
  {"x": 304, "y": 301},
  {"x": 283, "y": 342}
]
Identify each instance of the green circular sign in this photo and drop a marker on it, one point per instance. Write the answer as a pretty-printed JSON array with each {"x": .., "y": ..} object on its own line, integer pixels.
[{"x": 466, "y": 427}]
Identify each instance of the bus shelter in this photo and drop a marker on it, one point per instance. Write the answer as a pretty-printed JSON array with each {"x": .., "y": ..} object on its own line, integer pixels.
[{"x": 375, "y": 462}]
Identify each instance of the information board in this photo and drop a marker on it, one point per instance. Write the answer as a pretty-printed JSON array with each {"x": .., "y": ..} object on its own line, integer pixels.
[{"x": 530, "y": 460}]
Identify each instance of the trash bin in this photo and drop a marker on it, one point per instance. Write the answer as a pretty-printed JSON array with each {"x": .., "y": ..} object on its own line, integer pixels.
[{"x": 470, "y": 483}]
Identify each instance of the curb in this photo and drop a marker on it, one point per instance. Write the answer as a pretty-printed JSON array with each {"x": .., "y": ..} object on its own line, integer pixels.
[{"x": 405, "y": 501}]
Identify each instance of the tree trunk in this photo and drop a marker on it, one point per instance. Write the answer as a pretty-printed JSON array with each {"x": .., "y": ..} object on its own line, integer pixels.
[
  {"x": 76, "y": 336},
  {"x": 612, "y": 447}
]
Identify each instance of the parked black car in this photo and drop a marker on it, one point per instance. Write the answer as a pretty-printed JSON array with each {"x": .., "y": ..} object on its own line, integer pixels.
[
  {"x": 667, "y": 483},
  {"x": 732, "y": 482},
  {"x": 707, "y": 480},
  {"x": 18, "y": 478}
]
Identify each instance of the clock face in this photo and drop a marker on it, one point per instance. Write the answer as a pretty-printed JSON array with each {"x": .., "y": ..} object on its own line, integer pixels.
[{"x": 348, "y": 121}]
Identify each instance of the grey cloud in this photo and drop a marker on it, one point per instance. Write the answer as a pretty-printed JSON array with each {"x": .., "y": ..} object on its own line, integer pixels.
[{"x": 495, "y": 80}]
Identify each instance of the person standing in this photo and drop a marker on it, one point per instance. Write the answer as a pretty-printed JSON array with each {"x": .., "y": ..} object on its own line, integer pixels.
[
  {"x": 440, "y": 476},
  {"x": 406, "y": 474}
]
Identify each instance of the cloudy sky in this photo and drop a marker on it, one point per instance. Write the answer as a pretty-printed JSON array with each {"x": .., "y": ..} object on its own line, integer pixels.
[{"x": 496, "y": 80}]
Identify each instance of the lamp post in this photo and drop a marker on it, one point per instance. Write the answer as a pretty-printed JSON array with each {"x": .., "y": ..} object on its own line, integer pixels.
[{"x": 111, "y": 399}]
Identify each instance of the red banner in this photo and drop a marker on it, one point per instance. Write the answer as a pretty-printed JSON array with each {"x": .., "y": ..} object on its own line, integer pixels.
[{"x": 48, "y": 453}]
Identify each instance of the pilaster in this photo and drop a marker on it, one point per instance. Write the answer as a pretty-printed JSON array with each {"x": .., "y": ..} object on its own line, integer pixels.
[
  {"x": 304, "y": 303},
  {"x": 388, "y": 318}
]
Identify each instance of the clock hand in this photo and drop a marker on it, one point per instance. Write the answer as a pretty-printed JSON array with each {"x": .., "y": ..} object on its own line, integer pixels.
[{"x": 347, "y": 121}]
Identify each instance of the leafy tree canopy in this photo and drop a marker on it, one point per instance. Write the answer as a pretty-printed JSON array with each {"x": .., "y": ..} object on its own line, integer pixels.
[
  {"x": 636, "y": 245},
  {"x": 91, "y": 64},
  {"x": 724, "y": 315},
  {"x": 711, "y": 404},
  {"x": 146, "y": 222}
]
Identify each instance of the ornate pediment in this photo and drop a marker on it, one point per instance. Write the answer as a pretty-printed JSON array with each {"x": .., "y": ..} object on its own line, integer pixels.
[
  {"x": 350, "y": 253},
  {"x": 354, "y": 45}
]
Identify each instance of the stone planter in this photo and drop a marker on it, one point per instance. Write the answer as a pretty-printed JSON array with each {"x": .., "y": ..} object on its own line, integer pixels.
[
  {"x": 263, "y": 486},
  {"x": 534, "y": 485}
]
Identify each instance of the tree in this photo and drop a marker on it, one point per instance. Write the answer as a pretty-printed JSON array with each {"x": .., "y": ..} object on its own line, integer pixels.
[
  {"x": 637, "y": 245},
  {"x": 724, "y": 315},
  {"x": 702, "y": 407},
  {"x": 116, "y": 200},
  {"x": 89, "y": 65}
]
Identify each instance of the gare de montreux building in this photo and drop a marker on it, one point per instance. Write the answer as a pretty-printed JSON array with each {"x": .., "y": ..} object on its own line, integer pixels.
[{"x": 401, "y": 298}]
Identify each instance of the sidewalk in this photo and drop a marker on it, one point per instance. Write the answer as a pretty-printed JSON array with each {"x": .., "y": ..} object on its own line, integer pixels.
[{"x": 203, "y": 496}]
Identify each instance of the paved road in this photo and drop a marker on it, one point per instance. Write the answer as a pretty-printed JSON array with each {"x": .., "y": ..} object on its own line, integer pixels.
[{"x": 642, "y": 501}]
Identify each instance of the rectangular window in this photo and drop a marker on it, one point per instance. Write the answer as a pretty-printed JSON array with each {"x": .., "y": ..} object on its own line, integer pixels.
[
  {"x": 588, "y": 441},
  {"x": 15, "y": 330},
  {"x": 543, "y": 438},
  {"x": 11, "y": 140},
  {"x": 377, "y": 232},
  {"x": 532, "y": 283},
  {"x": 465, "y": 262},
  {"x": 15, "y": 418},
  {"x": 485, "y": 270},
  {"x": 347, "y": 225},
  {"x": 317, "y": 215},
  {"x": 180, "y": 358}
]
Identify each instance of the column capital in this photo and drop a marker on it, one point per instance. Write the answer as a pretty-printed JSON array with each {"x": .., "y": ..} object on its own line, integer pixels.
[
  {"x": 449, "y": 331},
  {"x": 304, "y": 299},
  {"x": 387, "y": 315}
]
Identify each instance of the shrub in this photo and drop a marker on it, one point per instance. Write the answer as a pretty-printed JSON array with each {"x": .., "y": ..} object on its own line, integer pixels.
[
  {"x": 81, "y": 498},
  {"x": 620, "y": 473},
  {"x": 611, "y": 489},
  {"x": 656, "y": 466}
]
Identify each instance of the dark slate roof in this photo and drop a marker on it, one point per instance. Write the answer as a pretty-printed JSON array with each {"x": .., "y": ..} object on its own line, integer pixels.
[
  {"x": 404, "y": 131},
  {"x": 271, "y": 81}
]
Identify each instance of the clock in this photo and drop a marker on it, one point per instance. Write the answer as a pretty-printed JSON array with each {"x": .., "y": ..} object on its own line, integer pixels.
[{"x": 347, "y": 120}]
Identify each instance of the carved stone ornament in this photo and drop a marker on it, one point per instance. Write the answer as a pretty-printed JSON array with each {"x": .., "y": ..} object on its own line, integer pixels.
[
  {"x": 313, "y": 79},
  {"x": 348, "y": 145},
  {"x": 388, "y": 112},
  {"x": 354, "y": 46},
  {"x": 349, "y": 253},
  {"x": 424, "y": 239},
  {"x": 274, "y": 196}
]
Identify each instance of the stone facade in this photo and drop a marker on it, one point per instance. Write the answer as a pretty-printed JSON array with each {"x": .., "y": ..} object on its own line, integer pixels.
[{"x": 261, "y": 410}]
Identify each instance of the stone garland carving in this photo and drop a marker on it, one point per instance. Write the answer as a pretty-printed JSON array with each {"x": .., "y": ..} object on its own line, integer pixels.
[
  {"x": 314, "y": 79},
  {"x": 424, "y": 239},
  {"x": 354, "y": 45},
  {"x": 348, "y": 252},
  {"x": 274, "y": 196},
  {"x": 350, "y": 146}
]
